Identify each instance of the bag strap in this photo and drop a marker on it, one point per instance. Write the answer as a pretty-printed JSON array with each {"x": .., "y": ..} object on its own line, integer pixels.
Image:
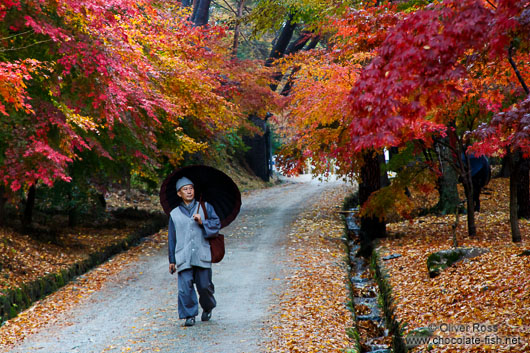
[{"x": 201, "y": 203}]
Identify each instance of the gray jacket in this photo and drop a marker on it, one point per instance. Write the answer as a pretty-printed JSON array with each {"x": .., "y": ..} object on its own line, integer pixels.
[{"x": 187, "y": 240}]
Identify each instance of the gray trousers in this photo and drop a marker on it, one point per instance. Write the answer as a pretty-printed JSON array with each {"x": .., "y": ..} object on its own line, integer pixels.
[{"x": 187, "y": 301}]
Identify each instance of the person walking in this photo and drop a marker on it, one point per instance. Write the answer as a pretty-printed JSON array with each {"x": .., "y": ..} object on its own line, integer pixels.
[{"x": 189, "y": 253}]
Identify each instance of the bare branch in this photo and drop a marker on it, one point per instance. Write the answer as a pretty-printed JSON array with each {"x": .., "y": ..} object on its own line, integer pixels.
[
  {"x": 519, "y": 76},
  {"x": 491, "y": 4},
  {"x": 230, "y": 8},
  {"x": 27, "y": 46},
  {"x": 16, "y": 35},
  {"x": 222, "y": 7}
]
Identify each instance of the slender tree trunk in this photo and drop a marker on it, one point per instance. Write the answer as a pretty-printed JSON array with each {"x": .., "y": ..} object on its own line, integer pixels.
[
  {"x": 383, "y": 175},
  {"x": 515, "y": 69},
  {"x": 447, "y": 183},
  {"x": 523, "y": 190},
  {"x": 455, "y": 228},
  {"x": 371, "y": 227},
  {"x": 73, "y": 216},
  {"x": 71, "y": 209},
  {"x": 514, "y": 221},
  {"x": 505, "y": 168},
  {"x": 523, "y": 182},
  {"x": 3, "y": 200},
  {"x": 470, "y": 204},
  {"x": 30, "y": 205},
  {"x": 463, "y": 167},
  {"x": 102, "y": 201},
  {"x": 313, "y": 43},
  {"x": 299, "y": 43},
  {"x": 235, "y": 45}
]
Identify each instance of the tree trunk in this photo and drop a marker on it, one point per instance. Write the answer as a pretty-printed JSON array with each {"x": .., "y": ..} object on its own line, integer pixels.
[
  {"x": 515, "y": 69},
  {"x": 102, "y": 201},
  {"x": 371, "y": 227},
  {"x": 505, "y": 168},
  {"x": 73, "y": 216},
  {"x": 282, "y": 42},
  {"x": 278, "y": 50},
  {"x": 201, "y": 13},
  {"x": 470, "y": 204},
  {"x": 235, "y": 45},
  {"x": 447, "y": 183},
  {"x": 30, "y": 205},
  {"x": 3, "y": 200},
  {"x": 516, "y": 169},
  {"x": 290, "y": 81},
  {"x": 195, "y": 5},
  {"x": 258, "y": 156},
  {"x": 523, "y": 190},
  {"x": 463, "y": 167},
  {"x": 72, "y": 209},
  {"x": 294, "y": 47},
  {"x": 455, "y": 228},
  {"x": 299, "y": 43},
  {"x": 514, "y": 221},
  {"x": 263, "y": 148},
  {"x": 383, "y": 175}
]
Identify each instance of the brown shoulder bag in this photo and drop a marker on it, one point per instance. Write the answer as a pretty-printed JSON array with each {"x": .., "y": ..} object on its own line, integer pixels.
[{"x": 217, "y": 242}]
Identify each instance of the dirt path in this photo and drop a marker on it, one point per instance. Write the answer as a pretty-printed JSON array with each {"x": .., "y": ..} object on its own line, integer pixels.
[{"x": 136, "y": 310}]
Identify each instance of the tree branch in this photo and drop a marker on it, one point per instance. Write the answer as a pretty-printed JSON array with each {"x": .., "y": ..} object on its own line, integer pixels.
[
  {"x": 519, "y": 76},
  {"x": 491, "y": 4},
  {"x": 230, "y": 8},
  {"x": 27, "y": 46},
  {"x": 16, "y": 35}
]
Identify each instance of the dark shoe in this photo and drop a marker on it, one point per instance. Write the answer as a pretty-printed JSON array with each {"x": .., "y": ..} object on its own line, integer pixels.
[
  {"x": 206, "y": 315},
  {"x": 190, "y": 321}
]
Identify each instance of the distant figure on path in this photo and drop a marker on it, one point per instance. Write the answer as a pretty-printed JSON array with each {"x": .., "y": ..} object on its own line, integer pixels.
[{"x": 189, "y": 253}]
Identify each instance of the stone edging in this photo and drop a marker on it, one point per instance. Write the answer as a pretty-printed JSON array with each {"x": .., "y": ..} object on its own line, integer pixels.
[{"x": 15, "y": 300}]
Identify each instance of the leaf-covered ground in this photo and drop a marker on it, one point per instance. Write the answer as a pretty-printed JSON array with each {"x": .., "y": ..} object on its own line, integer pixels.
[
  {"x": 23, "y": 259},
  {"x": 312, "y": 309},
  {"x": 76, "y": 292},
  {"x": 487, "y": 297}
]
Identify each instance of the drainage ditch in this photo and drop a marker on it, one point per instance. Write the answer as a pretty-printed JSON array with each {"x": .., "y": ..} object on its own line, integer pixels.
[{"x": 371, "y": 332}]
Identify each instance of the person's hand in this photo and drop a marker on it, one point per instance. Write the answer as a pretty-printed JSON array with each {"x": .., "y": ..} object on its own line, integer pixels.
[
  {"x": 197, "y": 218},
  {"x": 172, "y": 268}
]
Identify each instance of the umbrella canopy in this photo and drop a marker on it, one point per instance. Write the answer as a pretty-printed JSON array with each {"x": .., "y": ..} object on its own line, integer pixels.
[{"x": 211, "y": 185}]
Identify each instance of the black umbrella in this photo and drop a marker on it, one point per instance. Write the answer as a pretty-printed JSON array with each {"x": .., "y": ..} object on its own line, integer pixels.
[{"x": 211, "y": 185}]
